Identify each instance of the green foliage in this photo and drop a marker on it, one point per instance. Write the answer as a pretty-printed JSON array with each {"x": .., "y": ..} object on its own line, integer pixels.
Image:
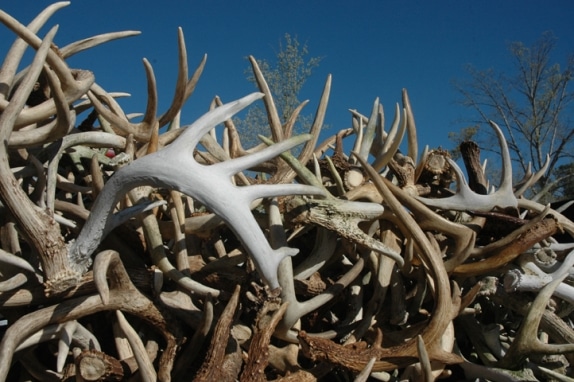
[
  {"x": 285, "y": 76},
  {"x": 533, "y": 106}
]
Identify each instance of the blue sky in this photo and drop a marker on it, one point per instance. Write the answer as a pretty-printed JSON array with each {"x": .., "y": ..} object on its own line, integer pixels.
[{"x": 372, "y": 48}]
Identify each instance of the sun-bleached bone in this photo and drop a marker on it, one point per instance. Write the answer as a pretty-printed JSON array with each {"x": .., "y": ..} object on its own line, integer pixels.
[
  {"x": 465, "y": 199},
  {"x": 175, "y": 168}
]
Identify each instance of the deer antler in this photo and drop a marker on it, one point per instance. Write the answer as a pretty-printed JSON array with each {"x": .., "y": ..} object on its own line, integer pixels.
[
  {"x": 208, "y": 184},
  {"x": 466, "y": 199}
]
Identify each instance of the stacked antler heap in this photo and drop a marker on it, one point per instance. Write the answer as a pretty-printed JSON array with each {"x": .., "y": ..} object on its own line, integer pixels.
[{"x": 126, "y": 254}]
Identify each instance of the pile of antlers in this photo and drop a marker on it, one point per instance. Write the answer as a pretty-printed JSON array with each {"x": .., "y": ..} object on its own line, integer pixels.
[{"x": 126, "y": 254}]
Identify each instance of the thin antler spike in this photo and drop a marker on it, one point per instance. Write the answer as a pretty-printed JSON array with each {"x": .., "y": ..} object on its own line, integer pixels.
[
  {"x": 151, "y": 107},
  {"x": 236, "y": 165},
  {"x": 146, "y": 369},
  {"x": 424, "y": 360},
  {"x": 293, "y": 118},
  {"x": 370, "y": 131},
  {"x": 395, "y": 131},
  {"x": 272, "y": 114},
  {"x": 411, "y": 127},
  {"x": 393, "y": 141},
  {"x": 90, "y": 42},
  {"x": 506, "y": 176},
  {"x": 533, "y": 178},
  {"x": 309, "y": 147},
  {"x": 181, "y": 82}
]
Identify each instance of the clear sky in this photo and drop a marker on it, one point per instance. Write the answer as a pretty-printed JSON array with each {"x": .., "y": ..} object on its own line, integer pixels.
[{"x": 372, "y": 48}]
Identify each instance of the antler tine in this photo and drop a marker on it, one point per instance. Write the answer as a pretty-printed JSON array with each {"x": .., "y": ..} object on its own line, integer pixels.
[
  {"x": 371, "y": 140},
  {"x": 288, "y": 126},
  {"x": 464, "y": 237},
  {"x": 84, "y": 44},
  {"x": 370, "y": 131},
  {"x": 358, "y": 116},
  {"x": 141, "y": 131},
  {"x": 380, "y": 134},
  {"x": 285, "y": 174},
  {"x": 297, "y": 309},
  {"x": 323, "y": 249},
  {"x": 358, "y": 128},
  {"x": 393, "y": 140},
  {"x": 364, "y": 375},
  {"x": 90, "y": 42},
  {"x": 146, "y": 369},
  {"x": 235, "y": 147},
  {"x": 65, "y": 118},
  {"x": 149, "y": 118},
  {"x": 309, "y": 147},
  {"x": 426, "y": 369},
  {"x": 184, "y": 86},
  {"x": 96, "y": 93},
  {"x": 14, "y": 55},
  {"x": 248, "y": 161},
  {"x": 411, "y": 127},
  {"x": 530, "y": 178},
  {"x": 506, "y": 176},
  {"x": 272, "y": 115},
  {"x": 420, "y": 165}
]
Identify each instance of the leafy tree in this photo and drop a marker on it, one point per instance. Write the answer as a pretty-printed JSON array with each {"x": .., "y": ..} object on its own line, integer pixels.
[
  {"x": 532, "y": 106},
  {"x": 285, "y": 77}
]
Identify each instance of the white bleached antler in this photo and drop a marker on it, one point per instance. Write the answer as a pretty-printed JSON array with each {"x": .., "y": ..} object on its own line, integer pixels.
[
  {"x": 175, "y": 168},
  {"x": 466, "y": 199}
]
